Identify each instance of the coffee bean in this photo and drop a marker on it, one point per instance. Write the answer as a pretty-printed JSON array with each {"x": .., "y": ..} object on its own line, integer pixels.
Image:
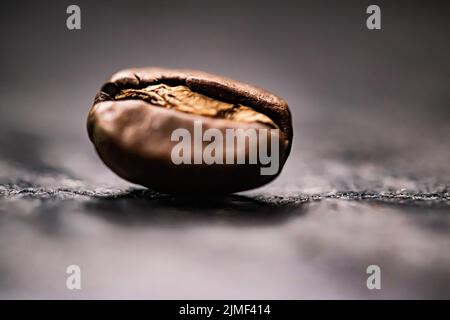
[{"x": 184, "y": 131}]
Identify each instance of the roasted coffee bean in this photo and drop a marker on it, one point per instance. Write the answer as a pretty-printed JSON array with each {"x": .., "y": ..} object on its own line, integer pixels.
[{"x": 184, "y": 131}]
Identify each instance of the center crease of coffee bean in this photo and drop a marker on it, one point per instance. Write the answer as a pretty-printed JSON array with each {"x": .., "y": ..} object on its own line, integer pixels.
[{"x": 183, "y": 99}]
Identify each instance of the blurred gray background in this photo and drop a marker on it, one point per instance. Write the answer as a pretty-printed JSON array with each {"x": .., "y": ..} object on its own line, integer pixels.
[{"x": 367, "y": 181}]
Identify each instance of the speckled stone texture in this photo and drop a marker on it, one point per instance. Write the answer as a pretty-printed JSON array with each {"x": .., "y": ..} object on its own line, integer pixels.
[
  {"x": 310, "y": 234},
  {"x": 367, "y": 182}
]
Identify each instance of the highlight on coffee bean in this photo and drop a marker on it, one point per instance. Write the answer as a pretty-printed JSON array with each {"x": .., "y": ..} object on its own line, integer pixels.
[{"x": 186, "y": 131}]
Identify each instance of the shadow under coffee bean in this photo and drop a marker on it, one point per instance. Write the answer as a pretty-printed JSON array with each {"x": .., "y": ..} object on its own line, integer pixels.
[{"x": 184, "y": 131}]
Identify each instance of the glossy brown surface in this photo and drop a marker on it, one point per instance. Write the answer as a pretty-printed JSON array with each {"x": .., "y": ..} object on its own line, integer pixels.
[{"x": 137, "y": 110}]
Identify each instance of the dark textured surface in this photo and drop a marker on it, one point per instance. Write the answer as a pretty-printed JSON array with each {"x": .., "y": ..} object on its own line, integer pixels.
[{"x": 367, "y": 182}]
